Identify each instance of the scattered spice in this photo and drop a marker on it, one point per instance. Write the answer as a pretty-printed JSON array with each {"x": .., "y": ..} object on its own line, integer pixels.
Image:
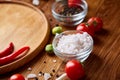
[
  {"x": 69, "y": 11},
  {"x": 39, "y": 74},
  {"x": 53, "y": 70},
  {"x": 43, "y": 74},
  {"x": 57, "y": 25},
  {"x": 47, "y": 76},
  {"x": 50, "y": 19},
  {"x": 32, "y": 76},
  {"x": 54, "y": 61},
  {"x": 36, "y": 2},
  {"x": 57, "y": 75},
  {"x": 29, "y": 69},
  {"x": 36, "y": 78},
  {"x": 44, "y": 61},
  {"x": 51, "y": 74}
]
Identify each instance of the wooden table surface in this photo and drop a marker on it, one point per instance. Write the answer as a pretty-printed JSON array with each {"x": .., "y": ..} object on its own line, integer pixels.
[{"x": 104, "y": 61}]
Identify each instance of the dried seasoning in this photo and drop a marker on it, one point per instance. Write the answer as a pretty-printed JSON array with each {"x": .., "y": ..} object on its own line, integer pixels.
[
  {"x": 69, "y": 11},
  {"x": 57, "y": 75},
  {"x": 53, "y": 70},
  {"x": 44, "y": 61}
]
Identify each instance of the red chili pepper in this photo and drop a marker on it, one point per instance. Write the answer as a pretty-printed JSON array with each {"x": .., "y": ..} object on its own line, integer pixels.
[
  {"x": 13, "y": 56},
  {"x": 7, "y": 51}
]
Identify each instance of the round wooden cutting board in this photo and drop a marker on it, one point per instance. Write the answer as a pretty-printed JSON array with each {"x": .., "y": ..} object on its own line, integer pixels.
[{"x": 24, "y": 25}]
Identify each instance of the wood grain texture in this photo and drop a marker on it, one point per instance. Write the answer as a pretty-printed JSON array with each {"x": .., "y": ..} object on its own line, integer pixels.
[
  {"x": 103, "y": 63},
  {"x": 24, "y": 25}
]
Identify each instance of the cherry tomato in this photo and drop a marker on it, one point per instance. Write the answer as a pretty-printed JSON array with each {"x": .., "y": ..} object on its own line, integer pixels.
[
  {"x": 72, "y": 3},
  {"x": 96, "y": 23},
  {"x": 74, "y": 70},
  {"x": 17, "y": 77},
  {"x": 84, "y": 27}
]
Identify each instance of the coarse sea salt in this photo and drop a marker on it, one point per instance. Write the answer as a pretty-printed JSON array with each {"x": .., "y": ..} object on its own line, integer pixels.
[
  {"x": 74, "y": 43},
  {"x": 31, "y": 76},
  {"x": 36, "y": 2},
  {"x": 47, "y": 76}
]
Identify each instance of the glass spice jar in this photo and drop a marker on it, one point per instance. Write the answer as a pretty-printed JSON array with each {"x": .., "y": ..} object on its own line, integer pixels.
[
  {"x": 72, "y": 44},
  {"x": 69, "y": 16}
]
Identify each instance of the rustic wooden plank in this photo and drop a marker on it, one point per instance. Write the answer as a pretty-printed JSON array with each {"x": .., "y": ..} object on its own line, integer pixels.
[{"x": 103, "y": 63}]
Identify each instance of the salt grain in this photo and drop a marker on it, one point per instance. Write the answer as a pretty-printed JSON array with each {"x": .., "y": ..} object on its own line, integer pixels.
[
  {"x": 29, "y": 69},
  {"x": 31, "y": 76},
  {"x": 36, "y": 2},
  {"x": 47, "y": 76},
  {"x": 74, "y": 43},
  {"x": 54, "y": 61},
  {"x": 40, "y": 74}
]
